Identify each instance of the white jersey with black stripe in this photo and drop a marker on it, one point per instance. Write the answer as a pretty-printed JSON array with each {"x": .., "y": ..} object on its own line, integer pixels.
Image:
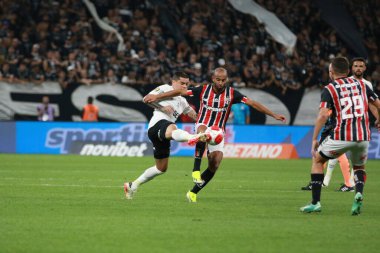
[{"x": 179, "y": 105}]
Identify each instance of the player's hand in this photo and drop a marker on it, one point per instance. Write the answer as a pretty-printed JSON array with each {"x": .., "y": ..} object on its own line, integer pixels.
[
  {"x": 150, "y": 98},
  {"x": 167, "y": 109},
  {"x": 280, "y": 117},
  {"x": 314, "y": 147}
]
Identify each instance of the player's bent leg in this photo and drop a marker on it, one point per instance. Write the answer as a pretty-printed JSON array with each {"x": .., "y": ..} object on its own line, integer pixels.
[
  {"x": 214, "y": 160},
  {"x": 183, "y": 136},
  {"x": 359, "y": 158},
  {"x": 360, "y": 179},
  {"x": 172, "y": 132}
]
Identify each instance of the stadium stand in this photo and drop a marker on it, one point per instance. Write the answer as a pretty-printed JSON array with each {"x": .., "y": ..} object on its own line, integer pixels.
[{"x": 60, "y": 41}]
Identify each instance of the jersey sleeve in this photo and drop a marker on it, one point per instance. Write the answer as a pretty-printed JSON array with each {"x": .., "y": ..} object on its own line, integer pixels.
[
  {"x": 371, "y": 94},
  {"x": 239, "y": 98},
  {"x": 326, "y": 99},
  {"x": 195, "y": 91},
  {"x": 160, "y": 89}
]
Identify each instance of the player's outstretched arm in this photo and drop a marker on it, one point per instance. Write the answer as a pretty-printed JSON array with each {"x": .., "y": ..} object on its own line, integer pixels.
[
  {"x": 192, "y": 114},
  {"x": 169, "y": 94},
  {"x": 263, "y": 109}
]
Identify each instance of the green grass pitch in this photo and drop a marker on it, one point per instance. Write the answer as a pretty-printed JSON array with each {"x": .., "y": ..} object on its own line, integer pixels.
[{"x": 76, "y": 204}]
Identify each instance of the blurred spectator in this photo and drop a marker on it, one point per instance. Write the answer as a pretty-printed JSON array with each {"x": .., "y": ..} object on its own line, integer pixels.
[
  {"x": 90, "y": 111},
  {"x": 22, "y": 74},
  {"x": 45, "y": 111},
  {"x": 5, "y": 73},
  {"x": 36, "y": 75},
  {"x": 240, "y": 114}
]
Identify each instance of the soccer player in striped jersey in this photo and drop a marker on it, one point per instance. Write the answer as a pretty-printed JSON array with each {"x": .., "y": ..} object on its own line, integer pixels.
[
  {"x": 358, "y": 67},
  {"x": 216, "y": 100},
  {"x": 348, "y": 99},
  {"x": 162, "y": 129}
]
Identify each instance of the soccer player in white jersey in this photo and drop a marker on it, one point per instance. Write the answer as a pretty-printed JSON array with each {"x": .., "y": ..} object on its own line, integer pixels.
[
  {"x": 348, "y": 99},
  {"x": 162, "y": 129}
]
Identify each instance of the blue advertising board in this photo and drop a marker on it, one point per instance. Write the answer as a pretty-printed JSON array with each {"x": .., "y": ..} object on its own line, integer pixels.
[{"x": 131, "y": 138}]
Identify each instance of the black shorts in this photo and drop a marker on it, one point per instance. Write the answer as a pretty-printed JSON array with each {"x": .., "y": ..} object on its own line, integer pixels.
[{"x": 156, "y": 134}]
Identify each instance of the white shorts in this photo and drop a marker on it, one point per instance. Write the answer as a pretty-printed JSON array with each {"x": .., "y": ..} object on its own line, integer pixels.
[
  {"x": 212, "y": 148},
  {"x": 332, "y": 149}
]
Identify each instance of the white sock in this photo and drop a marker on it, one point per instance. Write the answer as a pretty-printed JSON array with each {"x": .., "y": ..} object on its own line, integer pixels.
[
  {"x": 352, "y": 182},
  {"x": 181, "y": 135},
  {"x": 330, "y": 168},
  {"x": 146, "y": 176}
]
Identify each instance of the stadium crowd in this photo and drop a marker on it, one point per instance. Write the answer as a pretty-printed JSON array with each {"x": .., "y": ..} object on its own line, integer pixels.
[{"x": 60, "y": 41}]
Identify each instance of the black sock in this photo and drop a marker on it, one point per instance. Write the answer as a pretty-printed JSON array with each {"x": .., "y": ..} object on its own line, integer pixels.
[
  {"x": 199, "y": 150},
  {"x": 360, "y": 177},
  {"x": 206, "y": 176},
  {"x": 316, "y": 185}
]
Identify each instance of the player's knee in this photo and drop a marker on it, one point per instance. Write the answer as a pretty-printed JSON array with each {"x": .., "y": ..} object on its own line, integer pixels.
[
  {"x": 358, "y": 167},
  {"x": 163, "y": 169}
]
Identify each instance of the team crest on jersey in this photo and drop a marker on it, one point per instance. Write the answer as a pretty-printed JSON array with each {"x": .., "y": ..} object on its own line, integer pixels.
[{"x": 158, "y": 90}]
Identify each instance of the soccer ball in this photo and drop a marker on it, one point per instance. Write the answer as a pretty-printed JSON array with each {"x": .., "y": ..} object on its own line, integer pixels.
[{"x": 216, "y": 135}]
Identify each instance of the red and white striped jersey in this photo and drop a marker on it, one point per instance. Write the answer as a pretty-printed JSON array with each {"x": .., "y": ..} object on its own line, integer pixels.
[
  {"x": 214, "y": 107},
  {"x": 348, "y": 99}
]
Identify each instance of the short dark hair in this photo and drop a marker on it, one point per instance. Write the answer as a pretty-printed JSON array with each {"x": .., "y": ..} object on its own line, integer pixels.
[
  {"x": 358, "y": 59},
  {"x": 340, "y": 65},
  {"x": 90, "y": 100},
  {"x": 177, "y": 75}
]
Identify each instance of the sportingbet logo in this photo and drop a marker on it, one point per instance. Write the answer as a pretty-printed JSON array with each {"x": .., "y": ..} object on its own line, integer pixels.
[
  {"x": 65, "y": 138},
  {"x": 118, "y": 149}
]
